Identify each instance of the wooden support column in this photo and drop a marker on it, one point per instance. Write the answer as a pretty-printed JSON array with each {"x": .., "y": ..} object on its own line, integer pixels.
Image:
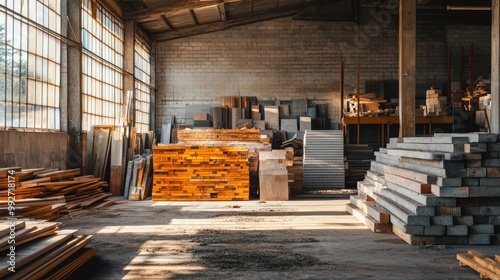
[
  {"x": 495, "y": 67},
  {"x": 407, "y": 61}
]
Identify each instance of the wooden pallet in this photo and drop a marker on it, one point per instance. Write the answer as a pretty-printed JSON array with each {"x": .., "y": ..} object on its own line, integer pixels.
[{"x": 486, "y": 266}]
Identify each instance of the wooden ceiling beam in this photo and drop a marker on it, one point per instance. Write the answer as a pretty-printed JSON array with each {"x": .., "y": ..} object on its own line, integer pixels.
[
  {"x": 218, "y": 26},
  {"x": 149, "y": 14}
]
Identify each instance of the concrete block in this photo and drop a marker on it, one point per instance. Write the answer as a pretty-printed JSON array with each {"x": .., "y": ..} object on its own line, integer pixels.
[
  {"x": 470, "y": 210},
  {"x": 259, "y": 124},
  {"x": 272, "y": 117},
  {"x": 476, "y": 172},
  {"x": 490, "y": 210},
  {"x": 470, "y": 182},
  {"x": 475, "y": 147},
  {"x": 449, "y": 211},
  {"x": 480, "y": 239},
  {"x": 305, "y": 123},
  {"x": 473, "y": 163},
  {"x": 494, "y": 220},
  {"x": 484, "y": 191},
  {"x": 493, "y": 147},
  {"x": 486, "y": 229},
  {"x": 442, "y": 220},
  {"x": 409, "y": 204},
  {"x": 464, "y": 220},
  {"x": 457, "y": 230},
  {"x": 450, "y": 191},
  {"x": 434, "y": 230},
  {"x": 274, "y": 154},
  {"x": 449, "y": 182},
  {"x": 452, "y": 240},
  {"x": 409, "y": 229},
  {"x": 493, "y": 172},
  {"x": 495, "y": 162},
  {"x": 422, "y": 198},
  {"x": 289, "y": 125}
]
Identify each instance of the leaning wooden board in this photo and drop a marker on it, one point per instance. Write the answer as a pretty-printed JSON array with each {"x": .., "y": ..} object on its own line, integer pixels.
[{"x": 185, "y": 172}]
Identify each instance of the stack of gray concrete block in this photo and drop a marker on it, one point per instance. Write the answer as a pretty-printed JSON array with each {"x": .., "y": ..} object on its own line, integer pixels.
[
  {"x": 437, "y": 190},
  {"x": 323, "y": 160}
]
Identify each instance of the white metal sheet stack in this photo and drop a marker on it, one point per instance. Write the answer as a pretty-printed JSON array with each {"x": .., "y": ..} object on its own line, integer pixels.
[
  {"x": 437, "y": 190},
  {"x": 323, "y": 159}
]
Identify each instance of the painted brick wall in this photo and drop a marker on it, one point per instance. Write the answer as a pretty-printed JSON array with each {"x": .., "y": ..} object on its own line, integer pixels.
[{"x": 285, "y": 59}]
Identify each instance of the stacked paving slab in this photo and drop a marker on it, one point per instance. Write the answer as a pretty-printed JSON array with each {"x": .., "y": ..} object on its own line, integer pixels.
[
  {"x": 323, "y": 160},
  {"x": 434, "y": 190}
]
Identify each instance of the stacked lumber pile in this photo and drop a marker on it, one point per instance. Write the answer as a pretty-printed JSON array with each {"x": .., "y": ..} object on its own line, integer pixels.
[
  {"x": 487, "y": 267},
  {"x": 245, "y": 135},
  {"x": 139, "y": 177},
  {"x": 183, "y": 172},
  {"x": 254, "y": 147},
  {"x": 48, "y": 194},
  {"x": 437, "y": 190},
  {"x": 323, "y": 159},
  {"x": 273, "y": 176},
  {"x": 295, "y": 172},
  {"x": 357, "y": 159},
  {"x": 41, "y": 250}
]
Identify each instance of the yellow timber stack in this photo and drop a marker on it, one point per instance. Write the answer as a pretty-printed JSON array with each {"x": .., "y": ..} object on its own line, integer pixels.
[{"x": 187, "y": 172}]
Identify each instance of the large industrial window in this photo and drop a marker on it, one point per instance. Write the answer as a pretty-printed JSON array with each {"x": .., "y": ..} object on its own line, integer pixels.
[
  {"x": 142, "y": 89},
  {"x": 102, "y": 66},
  {"x": 29, "y": 64}
]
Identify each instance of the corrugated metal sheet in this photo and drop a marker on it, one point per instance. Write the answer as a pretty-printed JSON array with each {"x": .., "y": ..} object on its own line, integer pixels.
[{"x": 324, "y": 159}]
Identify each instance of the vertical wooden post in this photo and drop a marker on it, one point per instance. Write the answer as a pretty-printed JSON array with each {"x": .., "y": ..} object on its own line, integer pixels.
[
  {"x": 462, "y": 86},
  {"x": 495, "y": 67},
  {"x": 407, "y": 63},
  {"x": 357, "y": 98},
  {"x": 342, "y": 99},
  {"x": 450, "y": 79}
]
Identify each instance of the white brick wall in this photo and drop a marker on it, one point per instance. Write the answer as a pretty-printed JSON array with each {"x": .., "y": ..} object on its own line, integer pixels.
[{"x": 284, "y": 59}]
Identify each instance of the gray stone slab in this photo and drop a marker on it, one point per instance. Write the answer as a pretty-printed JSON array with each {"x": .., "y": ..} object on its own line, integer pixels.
[
  {"x": 442, "y": 220},
  {"x": 485, "y": 229},
  {"x": 463, "y": 220},
  {"x": 457, "y": 230},
  {"x": 455, "y": 192},
  {"x": 435, "y": 139},
  {"x": 476, "y": 172},
  {"x": 473, "y": 137},
  {"x": 489, "y": 210},
  {"x": 305, "y": 123},
  {"x": 480, "y": 239},
  {"x": 272, "y": 117},
  {"x": 449, "y": 211},
  {"x": 434, "y": 230},
  {"x": 424, "y": 199},
  {"x": 409, "y": 229},
  {"x": 449, "y": 182},
  {"x": 475, "y": 147},
  {"x": 484, "y": 192},
  {"x": 289, "y": 125}
]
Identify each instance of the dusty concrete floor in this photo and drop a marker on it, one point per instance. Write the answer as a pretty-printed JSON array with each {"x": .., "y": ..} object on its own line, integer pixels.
[{"x": 298, "y": 239}]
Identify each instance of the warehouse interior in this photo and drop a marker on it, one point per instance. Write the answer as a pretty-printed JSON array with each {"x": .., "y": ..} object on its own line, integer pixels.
[{"x": 250, "y": 139}]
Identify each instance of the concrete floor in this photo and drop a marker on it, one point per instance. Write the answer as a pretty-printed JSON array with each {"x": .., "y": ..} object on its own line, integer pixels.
[{"x": 298, "y": 239}]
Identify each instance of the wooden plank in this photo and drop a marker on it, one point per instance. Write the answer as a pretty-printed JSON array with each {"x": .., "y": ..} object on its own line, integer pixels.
[
  {"x": 36, "y": 249},
  {"x": 72, "y": 264},
  {"x": 485, "y": 261},
  {"x": 41, "y": 266},
  {"x": 367, "y": 220},
  {"x": 128, "y": 178},
  {"x": 409, "y": 184}
]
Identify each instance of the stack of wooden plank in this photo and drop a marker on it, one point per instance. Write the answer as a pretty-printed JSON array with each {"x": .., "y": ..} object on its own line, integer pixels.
[
  {"x": 357, "y": 160},
  {"x": 273, "y": 176},
  {"x": 48, "y": 194},
  {"x": 295, "y": 172},
  {"x": 437, "y": 190},
  {"x": 183, "y": 172},
  {"x": 488, "y": 267},
  {"x": 41, "y": 250},
  {"x": 323, "y": 159},
  {"x": 253, "y": 153},
  {"x": 247, "y": 135},
  {"x": 139, "y": 177}
]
